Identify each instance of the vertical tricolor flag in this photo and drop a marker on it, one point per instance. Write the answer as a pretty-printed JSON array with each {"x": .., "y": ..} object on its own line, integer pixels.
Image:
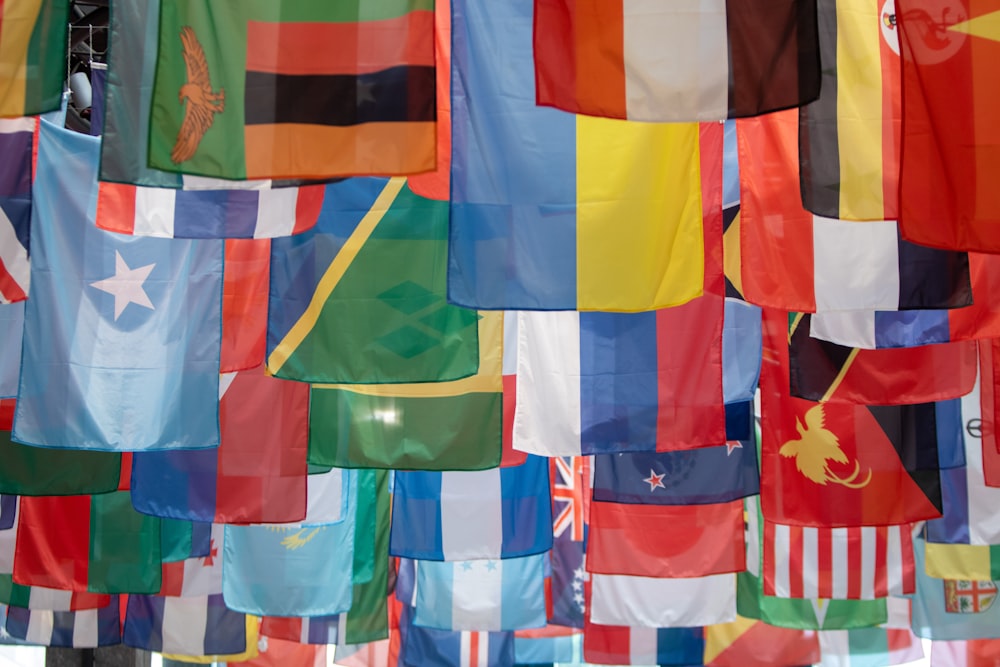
[
  {"x": 88, "y": 628},
  {"x": 295, "y": 90},
  {"x": 624, "y": 645},
  {"x": 196, "y": 627},
  {"x": 849, "y": 138},
  {"x": 686, "y": 61}
]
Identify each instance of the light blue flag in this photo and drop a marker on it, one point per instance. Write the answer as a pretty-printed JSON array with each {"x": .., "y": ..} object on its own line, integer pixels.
[
  {"x": 949, "y": 609},
  {"x": 741, "y": 351},
  {"x": 11, "y": 326},
  {"x": 122, "y": 334},
  {"x": 301, "y": 569},
  {"x": 481, "y": 595}
]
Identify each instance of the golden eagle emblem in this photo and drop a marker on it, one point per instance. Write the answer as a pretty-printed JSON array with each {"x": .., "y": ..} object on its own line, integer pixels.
[
  {"x": 297, "y": 539},
  {"x": 816, "y": 447},
  {"x": 202, "y": 103}
]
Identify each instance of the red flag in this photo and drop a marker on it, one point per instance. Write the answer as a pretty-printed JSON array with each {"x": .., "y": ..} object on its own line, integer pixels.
[
  {"x": 666, "y": 540},
  {"x": 951, "y": 123},
  {"x": 749, "y": 643},
  {"x": 244, "y": 303}
]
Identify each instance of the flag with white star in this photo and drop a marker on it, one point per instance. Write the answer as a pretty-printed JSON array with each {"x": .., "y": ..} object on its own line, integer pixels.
[{"x": 122, "y": 334}]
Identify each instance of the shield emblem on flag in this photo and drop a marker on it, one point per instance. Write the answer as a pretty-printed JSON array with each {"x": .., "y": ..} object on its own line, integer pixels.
[{"x": 968, "y": 597}]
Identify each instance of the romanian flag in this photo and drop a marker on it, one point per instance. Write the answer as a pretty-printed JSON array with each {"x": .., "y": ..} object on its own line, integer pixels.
[
  {"x": 951, "y": 123},
  {"x": 32, "y": 55},
  {"x": 686, "y": 60},
  {"x": 849, "y": 139},
  {"x": 551, "y": 211},
  {"x": 294, "y": 89}
]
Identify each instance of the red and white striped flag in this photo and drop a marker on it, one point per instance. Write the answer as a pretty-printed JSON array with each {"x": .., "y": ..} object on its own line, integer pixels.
[{"x": 855, "y": 563}]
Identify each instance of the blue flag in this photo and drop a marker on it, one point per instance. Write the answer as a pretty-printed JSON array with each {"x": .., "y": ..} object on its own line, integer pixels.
[
  {"x": 689, "y": 477},
  {"x": 122, "y": 334},
  {"x": 952, "y": 609},
  {"x": 11, "y": 328},
  {"x": 197, "y": 626},
  {"x": 481, "y": 595},
  {"x": 304, "y": 569},
  {"x": 498, "y": 513}
]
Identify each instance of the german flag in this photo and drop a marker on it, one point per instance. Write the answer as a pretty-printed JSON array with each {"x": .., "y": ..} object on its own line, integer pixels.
[{"x": 295, "y": 89}]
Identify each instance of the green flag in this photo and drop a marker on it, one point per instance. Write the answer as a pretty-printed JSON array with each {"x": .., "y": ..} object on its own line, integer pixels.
[
  {"x": 36, "y": 471},
  {"x": 294, "y": 88},
  {"x": 368, "y": 618}
]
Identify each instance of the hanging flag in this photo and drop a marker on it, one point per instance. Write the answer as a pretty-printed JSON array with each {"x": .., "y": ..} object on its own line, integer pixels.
[
  {"x": 11, "y": 330},
  {"x": 488, "y": 514},
  {"x": 856, "y": 563},
  {"x": 196, "y": 576},
  {"x": 245, "y": 271},
  {"x": 66, "y": 629},
  {"x": 849, "y": 138},
  {"x": 16, "y": 142},
  {"x": 535, "y": 218},
  {"x": 368, "y": 618},
  {"x": 749, "y": 643},
  {"x": 481, "y": 595},
  {"x": 634, "y": 61},
  {"x": 869, "y": 646},
  {"x": 96, "y": 544},
  {"x": 258, "y": 473},
  {"x": 437, "y": 184},
  {"x": 542, "y": 650},
  {"x": 698, "y": 476},
  {"x": 304, "y": 109},
  {"x": 949, "y": 121},
  {"x": 33, "y": 471},
  {"x": 199, "y": 627},
  {"x": 208, "y": 214},
  {"x": 127, "y": 327},
  {"x": 33, "y": 56},
  {"x": 375, "y": 260},
  {"x": 830, "y": 464},
  {"x": 968, "y": 653},
  {"x": 639, "y": 601},
  {"x": 824, "y": 371},
  {"x": 426, "y": 646},
  {"x": 571, "y": 491},
  {"x": 301, "y": 569},
  {"x": 591, "y": 383},
  {"x": 308, "y": 630},
  {"x": 623, "y": 645},
  {"x": 277, "y": 653},
  {"x": 801, "y": 614},
  {"x": 794, "y": 260},
  {"x": 666, "y": 540},
  {"x": 420, "y": 426},
  {"x": 953, "y": 609}
]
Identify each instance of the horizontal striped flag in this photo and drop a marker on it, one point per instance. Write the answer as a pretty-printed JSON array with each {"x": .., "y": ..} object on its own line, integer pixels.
[
  {"x": 535, "y": 218},
  {"x": 295, "y": 90},
  {"x": 66, "y": 629},
  {"x": 639, "y": 601},
  {"x": 481, "y": 595},
  {"x": 794, "y": 260},
  {"x": 450, "y": 516},
  {"x": 634, "y": 60},
  {"x": 33, "y": 56},
  {"x": 252, "y": 213},
  {"x": 16, "y": 143},
  {"x": 856, "y": 563}
]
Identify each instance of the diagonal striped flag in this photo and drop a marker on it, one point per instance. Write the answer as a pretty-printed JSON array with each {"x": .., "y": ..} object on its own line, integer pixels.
[{"x": 16, "y": 140}]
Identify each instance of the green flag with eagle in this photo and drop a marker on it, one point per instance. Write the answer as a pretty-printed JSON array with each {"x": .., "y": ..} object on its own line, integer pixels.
[{"x": 248, "y": 89}]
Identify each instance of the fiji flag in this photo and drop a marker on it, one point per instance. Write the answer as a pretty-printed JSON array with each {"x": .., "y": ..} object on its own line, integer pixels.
[
  {"x": 122, "y": 334},
  {"x": 539, "y": 196},
  {"x": 498, "y": 513}
]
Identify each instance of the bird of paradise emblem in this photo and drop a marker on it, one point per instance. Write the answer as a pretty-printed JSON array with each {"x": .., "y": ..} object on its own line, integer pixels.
[
  {"x": 816, "y": 447},
  {"x": 202, "y": 103}
]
